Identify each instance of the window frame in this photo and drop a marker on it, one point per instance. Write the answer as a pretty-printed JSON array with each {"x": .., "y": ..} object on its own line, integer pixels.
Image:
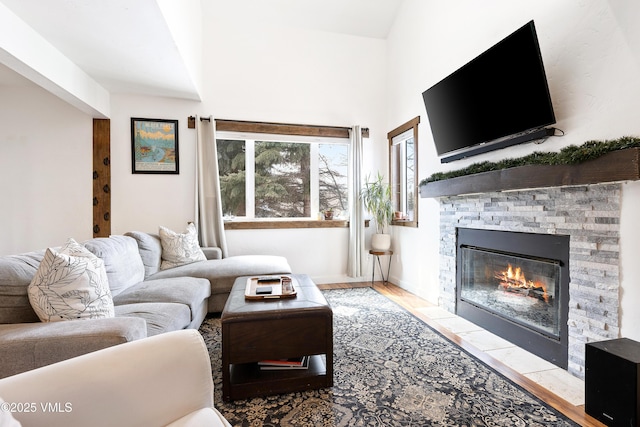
[
  {"x": 228, "y": 128},
  {"x": 411, "y": 125}
]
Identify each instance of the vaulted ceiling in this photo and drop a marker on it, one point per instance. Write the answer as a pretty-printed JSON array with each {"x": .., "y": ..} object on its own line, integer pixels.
[{"x": 128, "y": 46}]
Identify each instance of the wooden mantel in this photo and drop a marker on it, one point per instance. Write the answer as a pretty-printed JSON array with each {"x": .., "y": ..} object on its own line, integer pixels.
[{"x": 621, "y": 165}]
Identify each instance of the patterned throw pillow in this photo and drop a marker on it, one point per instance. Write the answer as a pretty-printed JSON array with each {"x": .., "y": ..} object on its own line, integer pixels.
[
  {"x": 70, "y": 284},
  {"x": 180, "y": 249}
]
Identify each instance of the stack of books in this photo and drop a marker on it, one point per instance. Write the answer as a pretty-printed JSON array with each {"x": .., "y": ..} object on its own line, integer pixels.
[{"x": 283, "y": 364}]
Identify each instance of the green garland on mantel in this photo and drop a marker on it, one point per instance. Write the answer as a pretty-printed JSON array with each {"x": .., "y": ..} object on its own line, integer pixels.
[{"x": 569, "y": 155}]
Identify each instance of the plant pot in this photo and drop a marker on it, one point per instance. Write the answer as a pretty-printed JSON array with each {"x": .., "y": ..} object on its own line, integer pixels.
[
  {"x": 380, "y": 242},
  {"x": 328, "y": 214}
]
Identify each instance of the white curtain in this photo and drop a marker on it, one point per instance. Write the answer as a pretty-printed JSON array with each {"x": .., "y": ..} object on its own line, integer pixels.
[
  {"x": 208, "y": 201},
  {"x": 356, "y": 223}
]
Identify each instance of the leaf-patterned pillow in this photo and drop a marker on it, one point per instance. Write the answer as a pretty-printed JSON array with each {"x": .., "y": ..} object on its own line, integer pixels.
[
  {"x": 179, "y": 249},
  {"x": 70, "y": 284}
]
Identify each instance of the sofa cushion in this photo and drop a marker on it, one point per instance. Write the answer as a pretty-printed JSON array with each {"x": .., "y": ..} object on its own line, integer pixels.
[
  {"x": 150, "y": 250},
  {"x": 221, "y": 273},
  {"x": 189, "y": 291},
  {"x": 24, "y": 347},
  {"x": 180, "y": 248},
  {"x": 16, "y": 272},
  {"x": 121, "y": 260},
  {"x": 70, "y": 284},
  {"x": 161, "y": 317}
]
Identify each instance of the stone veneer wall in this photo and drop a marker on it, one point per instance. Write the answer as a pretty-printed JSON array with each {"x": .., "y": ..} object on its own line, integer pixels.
[{"x": 589, "y": 214}]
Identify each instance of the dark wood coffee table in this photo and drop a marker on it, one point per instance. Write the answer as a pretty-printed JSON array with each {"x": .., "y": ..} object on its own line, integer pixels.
[{"x": 276, "y": 329}]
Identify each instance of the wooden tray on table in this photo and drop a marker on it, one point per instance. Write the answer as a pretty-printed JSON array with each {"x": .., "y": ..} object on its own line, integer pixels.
[{"x": 270, "y": 287}]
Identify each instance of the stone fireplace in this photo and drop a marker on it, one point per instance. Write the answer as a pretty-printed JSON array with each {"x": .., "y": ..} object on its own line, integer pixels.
[{"x": 588, "y": 216}]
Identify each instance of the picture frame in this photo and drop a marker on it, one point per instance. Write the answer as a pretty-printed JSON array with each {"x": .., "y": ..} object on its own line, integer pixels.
[{"x": 154, "y": 146}]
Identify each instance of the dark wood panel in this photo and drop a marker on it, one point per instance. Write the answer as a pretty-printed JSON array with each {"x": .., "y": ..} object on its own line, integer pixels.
[
  {"x": 622, "y": 165},
  {"x": 285, "y": 129},
  {"x": 101, "y": 177}
]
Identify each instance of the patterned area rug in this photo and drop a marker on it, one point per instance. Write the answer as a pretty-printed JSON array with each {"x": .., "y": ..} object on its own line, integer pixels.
[{"x": 390, "y": 369}]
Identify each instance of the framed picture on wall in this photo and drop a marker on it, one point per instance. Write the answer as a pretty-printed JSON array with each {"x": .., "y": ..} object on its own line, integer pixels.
[{"x": 154, "y": 146}]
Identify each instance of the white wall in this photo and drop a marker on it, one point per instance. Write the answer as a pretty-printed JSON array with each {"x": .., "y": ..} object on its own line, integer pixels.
[
  {"x": 319, "y": 252},
  {"x": 254, "y": 71},
  {"x": 183, "y": 20},
  {"x": 45, "y": 170},
  {"x": 630, "y": 267},
  {"x": 591, "y": 61},
  {"x": 143, "y": 202}
]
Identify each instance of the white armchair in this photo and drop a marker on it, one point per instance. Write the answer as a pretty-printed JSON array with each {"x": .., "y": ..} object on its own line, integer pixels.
[{"x": 164, "y": 380}]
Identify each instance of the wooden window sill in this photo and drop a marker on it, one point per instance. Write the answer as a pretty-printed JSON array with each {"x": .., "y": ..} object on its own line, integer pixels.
[
  {"x": 404, "y": 223},
  {"x": 281, "y": 224}
]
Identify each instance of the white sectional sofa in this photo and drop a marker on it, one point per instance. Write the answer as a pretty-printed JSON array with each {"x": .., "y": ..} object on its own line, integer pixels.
[{"x": 147, "y": 300}]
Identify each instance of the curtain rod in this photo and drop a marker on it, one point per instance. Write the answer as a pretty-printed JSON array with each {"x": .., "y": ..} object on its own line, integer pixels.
[{"x": 191, "y": 121}]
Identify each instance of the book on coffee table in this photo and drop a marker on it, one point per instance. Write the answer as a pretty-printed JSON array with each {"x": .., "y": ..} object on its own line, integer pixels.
[{"x": 282, "y": 364}]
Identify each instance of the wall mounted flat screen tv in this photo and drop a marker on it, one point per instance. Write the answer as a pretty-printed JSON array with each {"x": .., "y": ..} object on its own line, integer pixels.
[{"x": 498, "y": 99}]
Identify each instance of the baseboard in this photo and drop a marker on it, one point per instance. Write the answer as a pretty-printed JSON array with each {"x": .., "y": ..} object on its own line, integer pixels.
[{"x": 322, "y": 280}]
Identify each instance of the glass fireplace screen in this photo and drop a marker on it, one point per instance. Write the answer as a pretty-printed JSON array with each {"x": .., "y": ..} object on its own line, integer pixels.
[{"x": 520, "y": 289}]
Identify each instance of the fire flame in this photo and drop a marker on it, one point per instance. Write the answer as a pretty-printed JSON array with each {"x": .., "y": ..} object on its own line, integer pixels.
[{"x": 514, "y": 278}]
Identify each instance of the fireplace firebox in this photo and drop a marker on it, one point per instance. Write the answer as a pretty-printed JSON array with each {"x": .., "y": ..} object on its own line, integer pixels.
[{"x": 516, "y": 285}]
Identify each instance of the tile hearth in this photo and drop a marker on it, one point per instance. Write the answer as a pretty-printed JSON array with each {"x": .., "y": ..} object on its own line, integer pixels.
[{"x": 547, "y": 375}]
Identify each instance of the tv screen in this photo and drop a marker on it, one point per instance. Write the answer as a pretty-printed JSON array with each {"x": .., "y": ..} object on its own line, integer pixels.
[{"x": 500, "y": 93}]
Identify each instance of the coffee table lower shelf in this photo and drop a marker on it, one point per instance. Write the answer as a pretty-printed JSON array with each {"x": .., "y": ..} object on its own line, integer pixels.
[
  {"x": 248, "y": 380},
  {"x": 276, "y": 329}
]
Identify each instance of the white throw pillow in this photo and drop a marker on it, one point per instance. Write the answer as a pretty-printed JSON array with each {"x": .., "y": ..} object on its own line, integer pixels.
[
  {"x": 70, "y": 284},
  {"x": 180, "y": 249}
]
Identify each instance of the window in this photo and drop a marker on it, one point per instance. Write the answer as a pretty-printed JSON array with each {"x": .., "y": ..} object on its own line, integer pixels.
[
  {"x": 232, "y": 171},
  {"x": 403, "y": 159},
  {"x": 282, "y": 176}
]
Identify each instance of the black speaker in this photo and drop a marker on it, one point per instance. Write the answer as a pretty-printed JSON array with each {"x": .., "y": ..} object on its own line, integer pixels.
[{"x": 612, "y": 382}]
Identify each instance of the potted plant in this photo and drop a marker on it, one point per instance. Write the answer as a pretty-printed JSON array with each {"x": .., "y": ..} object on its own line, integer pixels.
[
  {"x": 328, "y": 213},
  {"x": 376, "y": 196}
]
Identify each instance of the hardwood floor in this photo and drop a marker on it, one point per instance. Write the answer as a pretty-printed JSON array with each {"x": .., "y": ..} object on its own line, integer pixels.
[{"x": 412, "y": 303}]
